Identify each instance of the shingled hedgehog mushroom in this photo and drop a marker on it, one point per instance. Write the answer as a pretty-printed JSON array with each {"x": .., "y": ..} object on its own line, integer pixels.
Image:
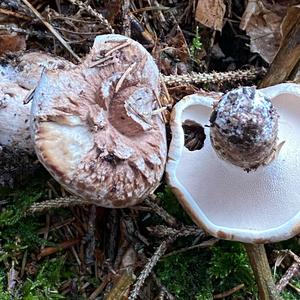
[
  {"x": 18, "y": 78},
  {"x": 244, "y": 183},
  {"x": 93, "y": 125}
]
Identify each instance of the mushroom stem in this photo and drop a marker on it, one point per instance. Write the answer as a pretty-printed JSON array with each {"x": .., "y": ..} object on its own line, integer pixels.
[
  {"x": 244, "y": 126},
  {"x": 261, "y": 269}
]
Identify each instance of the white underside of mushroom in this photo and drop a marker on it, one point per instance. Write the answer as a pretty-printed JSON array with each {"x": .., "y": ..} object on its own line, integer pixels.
[{"x": 260, "y": 206}]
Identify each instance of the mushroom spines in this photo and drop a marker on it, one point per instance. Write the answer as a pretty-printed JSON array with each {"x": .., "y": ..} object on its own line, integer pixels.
[{"x": 244, "y": 127}]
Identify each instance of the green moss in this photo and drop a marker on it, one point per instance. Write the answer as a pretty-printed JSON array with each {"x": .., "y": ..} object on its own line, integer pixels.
[
  {"x": 185, "y": 274},
  {"x": 201, "y": 273},
  {"x": 46, "y": 283},
  {"x": 172, "y": 206}
]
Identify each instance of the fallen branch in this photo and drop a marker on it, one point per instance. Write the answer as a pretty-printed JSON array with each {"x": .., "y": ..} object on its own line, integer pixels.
[
  {"x": 228, "y": 293},
  {"x": 94, "y": 13},
  {"x": 147, "y": 270},
  {"x": 52, "y": 30},
  {"x": 288, "y": 275},
  {"x": 214, "y": 77},
  {"x": 56, "y": 203}
]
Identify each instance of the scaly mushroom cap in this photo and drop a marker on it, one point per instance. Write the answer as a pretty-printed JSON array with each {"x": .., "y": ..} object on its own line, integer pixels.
[
  {"x": 17, "y": 79},
  {"x": 93, "y": 127}
]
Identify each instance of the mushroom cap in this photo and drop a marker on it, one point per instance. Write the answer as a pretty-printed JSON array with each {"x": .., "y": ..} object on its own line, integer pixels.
[
  {"x": 257, "y": 207},
  {"x": 17, "y": 80},
  {"x": 93, "y": 128}
]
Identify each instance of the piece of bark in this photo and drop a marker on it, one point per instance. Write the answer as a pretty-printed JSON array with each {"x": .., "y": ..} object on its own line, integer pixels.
[
  {"x": 289, "y": 274},
  {"x": 288, "y": 56}
]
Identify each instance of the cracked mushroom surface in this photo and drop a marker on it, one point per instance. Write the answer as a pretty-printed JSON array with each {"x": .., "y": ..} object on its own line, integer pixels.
[
  {"x": 93, "y": 127},
  {"x": 18, "y": 78}
]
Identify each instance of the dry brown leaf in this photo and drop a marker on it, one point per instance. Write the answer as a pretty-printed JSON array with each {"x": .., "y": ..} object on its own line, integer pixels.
[
  {"x": 11, "y": 42},
  {"x": 262, "y": 22},
  {"x": 210, "y": 13}
]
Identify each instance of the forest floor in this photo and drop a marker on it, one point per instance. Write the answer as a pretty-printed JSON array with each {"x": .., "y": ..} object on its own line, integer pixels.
[{"x": 152, "y": 250}]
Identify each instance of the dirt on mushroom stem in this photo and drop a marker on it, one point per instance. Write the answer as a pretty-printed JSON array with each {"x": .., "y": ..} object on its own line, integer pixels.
[{"x": 244, "y": 127}]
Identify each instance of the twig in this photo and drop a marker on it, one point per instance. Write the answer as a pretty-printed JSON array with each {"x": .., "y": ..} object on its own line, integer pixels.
[
  {"x": 214, "y": 77},
  {"x": 204, "y": 244},
  {"x": 230, "y": 292},
  {"x": 64, "y": 245},
  {"x": 291, "y": 253},
  {"x": 125, "y": 17},
  {"x": 99, "y": 290},
  {"x": 12, "y": 28},
  {"x": 118, "y": 47},
  {"x": 52, "y": 30},
  {"x": 90, "y": 237},
  {"x": 123, "y": 77},
  {"x": 169, "y": 219},
  {"x": 294, "y": 287},
  {"x": 147, "y": 270},
  {"x": 184, "y": 231},
  {"x": 56, "y": 203},
  {"x": 288, "y": 275},
  {"x": 14, "y": 14},
  {"x": 100, "y": 62},
  {"x": 94, "y": 13}
]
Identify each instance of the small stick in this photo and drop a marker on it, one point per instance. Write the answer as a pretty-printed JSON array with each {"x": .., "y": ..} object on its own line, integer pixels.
[
  {"x": 214, "y": 77},
  {"x": 99, "y": 289},
  {"x": 14, "y": 14},
  {"x": 94, "y": 13},
  {"x": 12, "y": 28},
  {"x": 169, "y": 219},
  {"x": 125, "y": 17},
  {"x": 123, "y": 77},
  {"x": 185, "y": 231},
  {"x": 90, "y": 249},
  {"x": 230, "y": 292},
  {"x": 64, "y": 245},
  {"x": 147, "y": 270},
  {"x": 288, "y": 275},
  {"x": 121, "y": 46},
  {"x": 56, "y": 203},
  {"x": 52, "y": 30},
  {"x": 100, "y": 61},
  {"x": 204, "y": 244}
]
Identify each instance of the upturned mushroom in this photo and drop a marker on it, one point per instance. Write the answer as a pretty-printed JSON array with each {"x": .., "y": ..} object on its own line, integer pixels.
[
  {"x": 93, "y": 125},
  {"x": 243, "y": 184}
]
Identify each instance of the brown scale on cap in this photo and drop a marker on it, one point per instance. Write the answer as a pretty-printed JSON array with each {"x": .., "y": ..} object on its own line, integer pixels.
[
  {"x": 244, "y": 126},
  {"x": 93, "y": 127}
]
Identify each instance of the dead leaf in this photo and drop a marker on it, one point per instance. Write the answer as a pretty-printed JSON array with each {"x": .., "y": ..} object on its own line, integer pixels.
[
  {"x": 11, "y": 42},
  {"x": 262, "y": 22},
  {"x": 210, "y": 13}
]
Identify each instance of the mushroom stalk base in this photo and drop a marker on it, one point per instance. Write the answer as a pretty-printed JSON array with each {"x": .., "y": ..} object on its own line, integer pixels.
[{"x": 261, "y": 269}]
